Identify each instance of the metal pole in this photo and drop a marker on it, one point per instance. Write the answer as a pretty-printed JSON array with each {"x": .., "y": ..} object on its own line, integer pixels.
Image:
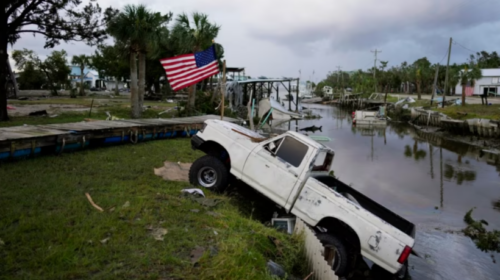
[
  {"x": 435, "y": 83},
  {"x": 223, "y": 89},
  {"x": 446, "y": 77}
]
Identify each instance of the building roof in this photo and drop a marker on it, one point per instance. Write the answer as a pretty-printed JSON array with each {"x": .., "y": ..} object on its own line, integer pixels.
[
  {"x": 76, "y": 71},
  {"x": 492, "y": 72},
  {"x": 235, "y": 69}
]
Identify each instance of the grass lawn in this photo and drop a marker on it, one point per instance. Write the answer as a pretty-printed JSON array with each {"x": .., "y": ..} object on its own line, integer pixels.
[
  {"x": 473, "y": 111},
  {"x": 49, "y": 230}
]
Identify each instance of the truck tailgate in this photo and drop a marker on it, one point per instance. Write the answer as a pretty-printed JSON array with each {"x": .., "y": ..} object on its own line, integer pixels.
[{"x": 370, "y": 205}]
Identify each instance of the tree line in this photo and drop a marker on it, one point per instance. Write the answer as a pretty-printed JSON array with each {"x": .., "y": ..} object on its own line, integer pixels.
[
  {"x": 417, "y": 77},
  {"x": 141, "y": 38}
]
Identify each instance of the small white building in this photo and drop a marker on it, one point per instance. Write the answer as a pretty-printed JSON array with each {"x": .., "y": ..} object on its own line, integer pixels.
[
  {"x": 490, "y": 82},
  {"x": 92, "y": 79},
  {"x": 327, "y": 90}
]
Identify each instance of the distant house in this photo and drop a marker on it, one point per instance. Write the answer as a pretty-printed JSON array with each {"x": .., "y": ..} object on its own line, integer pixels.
[
  {"x": 92, "y": 79},
  {"x": 90, "y": 76},
  {"x": 489, "y": 83}
]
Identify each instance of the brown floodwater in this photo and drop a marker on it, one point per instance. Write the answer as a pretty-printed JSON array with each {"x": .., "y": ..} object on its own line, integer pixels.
[{"x": 432, "y": 184}]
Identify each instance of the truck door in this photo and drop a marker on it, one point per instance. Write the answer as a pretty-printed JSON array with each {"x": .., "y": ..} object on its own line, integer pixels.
[{"x": 274, "y": 168}]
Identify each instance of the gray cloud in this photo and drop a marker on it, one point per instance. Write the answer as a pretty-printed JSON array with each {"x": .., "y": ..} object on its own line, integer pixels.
[{"x": 277, "y": 38}]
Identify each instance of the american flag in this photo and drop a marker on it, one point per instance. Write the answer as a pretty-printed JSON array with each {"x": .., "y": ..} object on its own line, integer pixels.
[
  {"x": 188, "y": 69},
  {"x": 469, "y": 90}
]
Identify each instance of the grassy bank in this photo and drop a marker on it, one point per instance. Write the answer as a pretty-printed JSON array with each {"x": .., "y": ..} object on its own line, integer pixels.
[
  {"x": 472, "y": 111},
  {"x": 49, "y": 230}
]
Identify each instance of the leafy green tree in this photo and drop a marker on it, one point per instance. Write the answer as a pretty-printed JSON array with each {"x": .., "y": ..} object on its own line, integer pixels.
[
  {"x": 111, "y": 61},
  {"x": 31, "y": 77},
  {"x": 81, "y": 61},
  {"x": 193, "y": 36},
  {"x": 468, "y": 76},
  {"x": 54, "y": 67},
  {"x": 140, "y": 30},
  {"x": 56, "y": 20}
]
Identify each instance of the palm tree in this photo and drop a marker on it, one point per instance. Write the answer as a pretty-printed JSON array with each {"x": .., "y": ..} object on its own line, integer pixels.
[
  {"x": 81, "y": 61},
  {"x": 140, "y": 31},
  {"x": 193, "y": 37},
  {"x": 469, "y": 75}
]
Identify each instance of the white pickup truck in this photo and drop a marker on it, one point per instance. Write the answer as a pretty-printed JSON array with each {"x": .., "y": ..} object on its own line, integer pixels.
[{"x": 293, "y": 170}]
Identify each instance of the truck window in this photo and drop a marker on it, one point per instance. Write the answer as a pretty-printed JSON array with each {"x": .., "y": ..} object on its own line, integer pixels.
[
  {"x": 292, "y": 151},
  {"x": 323, "y": 161}
]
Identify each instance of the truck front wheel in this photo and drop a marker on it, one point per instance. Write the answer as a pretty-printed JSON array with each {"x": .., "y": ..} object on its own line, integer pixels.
[
  {"x": 335, "y": 253},
  {"x": 209, "y": 172}
]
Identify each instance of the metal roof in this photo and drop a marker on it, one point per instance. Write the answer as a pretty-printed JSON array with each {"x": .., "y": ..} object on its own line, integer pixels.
[
  {"x": 249, "y": 81},
  {"x": 492, "y": 72}
]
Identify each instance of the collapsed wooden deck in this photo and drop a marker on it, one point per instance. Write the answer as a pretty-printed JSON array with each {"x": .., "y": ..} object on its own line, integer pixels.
[{"x": 31, "y": 140}]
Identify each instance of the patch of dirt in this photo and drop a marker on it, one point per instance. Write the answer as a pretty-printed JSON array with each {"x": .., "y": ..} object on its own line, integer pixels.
[
  {"x": 52, "y": 109},
  {"x": 174, "y": 171}
]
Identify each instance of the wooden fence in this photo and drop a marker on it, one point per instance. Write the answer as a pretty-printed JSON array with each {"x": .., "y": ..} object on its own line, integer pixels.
[{"x": 315, "y": 254}]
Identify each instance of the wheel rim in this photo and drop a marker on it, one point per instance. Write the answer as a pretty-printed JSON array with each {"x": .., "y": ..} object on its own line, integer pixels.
[
  {"x": 207, "y": 177},
  {"x": 333, "y": 257}
]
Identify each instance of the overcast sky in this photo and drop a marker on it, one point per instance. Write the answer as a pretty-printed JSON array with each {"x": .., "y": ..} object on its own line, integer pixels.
[{"x": 278, "y": 38}]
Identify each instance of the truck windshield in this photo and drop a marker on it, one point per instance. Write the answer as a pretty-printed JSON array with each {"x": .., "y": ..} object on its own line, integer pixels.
[{"x": 323, "y": 161}]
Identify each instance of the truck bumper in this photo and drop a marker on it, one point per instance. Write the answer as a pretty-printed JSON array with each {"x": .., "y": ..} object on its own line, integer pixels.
[{"x": 196, "y": 142}]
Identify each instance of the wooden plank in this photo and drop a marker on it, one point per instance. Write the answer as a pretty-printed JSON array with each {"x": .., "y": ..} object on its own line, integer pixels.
[
  {"x": 86, "y": 126},
  {"x": 25, "y": 132}
]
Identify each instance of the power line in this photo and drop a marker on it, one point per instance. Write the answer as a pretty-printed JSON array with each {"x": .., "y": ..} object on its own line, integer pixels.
[
  {"x": 457, "y": 43},
  {"x": 444, "y": 56}
]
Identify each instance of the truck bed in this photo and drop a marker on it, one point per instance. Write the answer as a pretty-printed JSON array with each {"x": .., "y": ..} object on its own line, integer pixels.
[{"x": 370, "y": 205}]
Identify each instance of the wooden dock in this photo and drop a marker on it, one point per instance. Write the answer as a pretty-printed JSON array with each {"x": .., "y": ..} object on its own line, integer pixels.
[{"x": 31, "y": 140}]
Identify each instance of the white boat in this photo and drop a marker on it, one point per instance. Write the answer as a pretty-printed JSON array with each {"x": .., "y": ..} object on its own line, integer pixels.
[
  {"x": 279, "y": 113},
  {"x": 374, "y": 118}
]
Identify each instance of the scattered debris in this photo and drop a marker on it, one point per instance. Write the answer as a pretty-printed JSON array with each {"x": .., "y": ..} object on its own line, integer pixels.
[
  {"x": 38, "y": 113},
  {"x": 1, "y": 242},
  {"x": 111, "y": 209},
  {"x": 92, "y": 202},
  {"x": 126, "y": 204},
  {"x": 312, "y": 128},
  {"x": 486, "y": 241},
  {"x": 111, "y": 118},
  {"x": 10, "y": 108},
  {"x": 213, "y": 214},
  {"x": 158, "y": 233},
  {"x": 204, "y": 201},
  {"x": 192, "y": 191},
  {"x": 196, "y": 254},
  {"x": 195, "y": 210},
  {"x": 276, "y": 269},
  {"x": 172, "y": 171},
  {"x": 213, "y": 251},
  {"x": 105, "y": 240},
  {"x": 310, "y": 274}
]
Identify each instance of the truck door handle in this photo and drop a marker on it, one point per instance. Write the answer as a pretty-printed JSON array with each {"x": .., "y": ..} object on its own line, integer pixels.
[
  {"x": 267, "y": 166},
  {"x": 294, "y": 174}
]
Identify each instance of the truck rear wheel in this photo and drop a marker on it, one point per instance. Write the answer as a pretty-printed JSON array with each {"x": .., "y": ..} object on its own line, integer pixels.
[
  {"x": 209, "y": 172},
  {"x": 335, "y": 253}
]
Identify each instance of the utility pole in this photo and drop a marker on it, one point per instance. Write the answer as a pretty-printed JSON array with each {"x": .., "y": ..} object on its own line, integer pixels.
[
  {"x": 435, "y": 83},
  {"x": 338, "y": 75},
  {"x": 446, "y": 77},
  {"x": 375, "y": 67}
]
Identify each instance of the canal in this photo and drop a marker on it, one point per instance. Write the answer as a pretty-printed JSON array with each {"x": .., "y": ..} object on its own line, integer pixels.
[{"x": 431, "y": 183}]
